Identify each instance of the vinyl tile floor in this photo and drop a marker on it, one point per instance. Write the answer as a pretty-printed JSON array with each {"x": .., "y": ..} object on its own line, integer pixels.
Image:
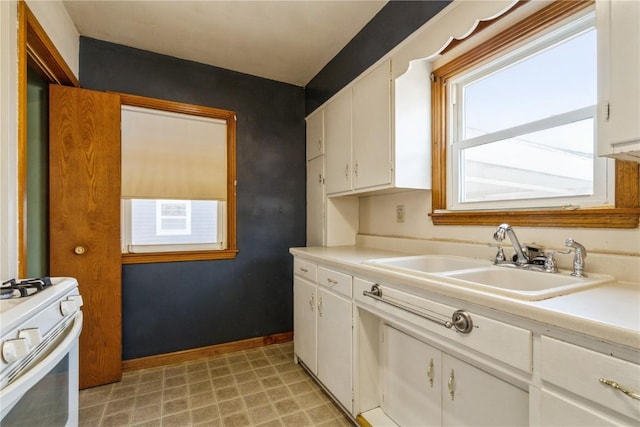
[{"x": 258, "y": 387}]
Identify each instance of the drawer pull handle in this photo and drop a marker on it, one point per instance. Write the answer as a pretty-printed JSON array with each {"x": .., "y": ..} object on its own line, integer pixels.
[
  {"x": 312, "y": 304},
  {"x": 460, "y": 319},
  {"x": 304, "y": 270},
  {"x": 320, "y": 306},
  {"x": 333, "y": 282},
  {"x": 452, "y": 385},
  {"x": 617, "y": 386},
  {"x": 430, "y": 373}
]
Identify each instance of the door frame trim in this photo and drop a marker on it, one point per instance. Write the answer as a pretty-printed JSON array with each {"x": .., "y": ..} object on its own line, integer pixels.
[{"x": 35, "y": 48}]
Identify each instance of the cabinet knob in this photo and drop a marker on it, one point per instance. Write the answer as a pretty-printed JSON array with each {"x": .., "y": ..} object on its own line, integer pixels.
[{"x": 79, "y": 250}]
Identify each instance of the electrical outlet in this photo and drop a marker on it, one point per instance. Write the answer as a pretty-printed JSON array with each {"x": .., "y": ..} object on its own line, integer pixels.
[{"x": 399, "y": 213}]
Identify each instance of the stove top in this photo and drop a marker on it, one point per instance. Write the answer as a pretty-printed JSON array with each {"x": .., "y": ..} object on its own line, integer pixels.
[
  {"x": 24, "y": 288},
  {"x": 41, "y": 294}
]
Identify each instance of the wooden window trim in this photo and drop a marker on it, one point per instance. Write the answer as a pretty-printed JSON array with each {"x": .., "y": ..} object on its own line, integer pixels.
[
  {"x": 36, "y": 49},
  {"x": 626, "y": 212},
  {"x": 230, "y": 117}
]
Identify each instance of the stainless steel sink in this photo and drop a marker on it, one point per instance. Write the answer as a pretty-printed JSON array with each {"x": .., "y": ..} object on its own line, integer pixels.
[{"x": 483, "y": 275}]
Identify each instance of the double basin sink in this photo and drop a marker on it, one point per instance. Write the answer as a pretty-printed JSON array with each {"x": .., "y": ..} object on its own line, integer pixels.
[{"x": 484, "y": 276}]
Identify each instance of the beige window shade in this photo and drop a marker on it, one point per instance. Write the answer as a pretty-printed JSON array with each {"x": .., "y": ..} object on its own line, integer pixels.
[{"x": 173, "y": 156}]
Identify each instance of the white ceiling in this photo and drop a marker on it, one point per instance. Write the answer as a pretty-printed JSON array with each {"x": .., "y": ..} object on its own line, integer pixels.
[{"x": 288, "y": 41}]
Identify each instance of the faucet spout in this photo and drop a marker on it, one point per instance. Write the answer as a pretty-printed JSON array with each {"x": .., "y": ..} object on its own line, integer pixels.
[{"x": 499, "y": 235}]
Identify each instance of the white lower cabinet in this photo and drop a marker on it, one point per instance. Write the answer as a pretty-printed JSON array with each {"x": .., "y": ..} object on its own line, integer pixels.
[
  {"x": 334, "y": 345},
  {"x": 581, "y": 386},
  {"x": 322, "y": 322},
  {"x": 423, "y": 386},
  {"x": 304, "y": 321},
  {"x": 556, "y": 410}
]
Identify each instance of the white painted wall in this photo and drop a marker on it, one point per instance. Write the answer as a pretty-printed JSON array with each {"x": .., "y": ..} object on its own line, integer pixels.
[
  {"x": 378, "y": 217},
  {"x": 58, "y": 25},
  {"x": 8, "y": 139}
]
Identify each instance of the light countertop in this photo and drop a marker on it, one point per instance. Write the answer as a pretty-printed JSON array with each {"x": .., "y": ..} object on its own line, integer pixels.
[{"x": 609, "y": 312}]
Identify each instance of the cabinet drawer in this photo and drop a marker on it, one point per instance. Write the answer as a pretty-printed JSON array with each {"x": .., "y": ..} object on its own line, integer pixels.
[
  {"x": 498, "y": 340},
  {"x": 305, "y": 269},
  {"x": 579, "y": 370},
  {"x": 338, "y": 282}
]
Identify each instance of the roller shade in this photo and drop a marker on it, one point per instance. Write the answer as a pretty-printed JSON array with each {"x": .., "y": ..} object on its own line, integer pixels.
[{"x": 173, "y": 156}]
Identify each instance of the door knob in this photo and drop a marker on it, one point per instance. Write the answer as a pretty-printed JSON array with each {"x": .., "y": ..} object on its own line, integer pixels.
[{"x": 79, "y": 250}]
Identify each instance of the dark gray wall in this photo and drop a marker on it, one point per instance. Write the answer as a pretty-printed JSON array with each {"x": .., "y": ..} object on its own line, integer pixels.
[
  {"x": 175, "y": 306},
  {"x": 391, "y": 25}
]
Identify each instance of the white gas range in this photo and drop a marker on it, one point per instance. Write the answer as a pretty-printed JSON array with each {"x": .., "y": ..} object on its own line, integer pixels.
[{"x": 40, "y": 322}]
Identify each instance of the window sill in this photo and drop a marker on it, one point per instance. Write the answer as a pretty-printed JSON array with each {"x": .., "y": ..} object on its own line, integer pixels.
[
  {"x": 156, "y": 257},
  {"x": 586, "y": 218}
]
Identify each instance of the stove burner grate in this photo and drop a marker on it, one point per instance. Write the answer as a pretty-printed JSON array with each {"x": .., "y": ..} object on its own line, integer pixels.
[{"x": 24, "y": 288}]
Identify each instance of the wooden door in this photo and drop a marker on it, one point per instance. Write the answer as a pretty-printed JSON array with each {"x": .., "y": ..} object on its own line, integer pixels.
[{"x": 84, "y": 199}]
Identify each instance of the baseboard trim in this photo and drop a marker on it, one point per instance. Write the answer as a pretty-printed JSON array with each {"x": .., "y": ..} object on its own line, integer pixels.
[{"x": 198, "y": 353}]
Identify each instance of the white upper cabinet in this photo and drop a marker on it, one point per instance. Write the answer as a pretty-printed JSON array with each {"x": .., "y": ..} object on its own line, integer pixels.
[
  {"x": 376, "y": 136},
  {"x": 619, "y": 79},
  {"x": 338, "y": 144},
  {"x": 315, "y": 134},
  {"x": 372, "y": 129}
]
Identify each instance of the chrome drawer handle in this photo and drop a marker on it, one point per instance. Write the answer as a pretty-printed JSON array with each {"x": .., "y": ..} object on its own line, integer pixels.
[{"x": 617, "y": 386}]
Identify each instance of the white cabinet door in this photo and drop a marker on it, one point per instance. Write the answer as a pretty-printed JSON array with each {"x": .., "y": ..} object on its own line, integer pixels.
[
  {"x": 315, "y": 134},
  {"x": 334, "y": 345},
  {"x": 472, "y": 397},
  {"x": 412, "y": 381},
  {"x": 338, "y": 143},
  {"x": 304, "y": 321},
  {"x": 315, "y": 202},
  {"x": 372, "y": 128},
  {"x": 619, "y": 79},
  {"x": 556, "y": 410}
]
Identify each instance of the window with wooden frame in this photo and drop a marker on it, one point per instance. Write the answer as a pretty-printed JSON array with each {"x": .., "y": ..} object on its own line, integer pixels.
[
  {"x": 178, "y": 181},
  {"x": 485, "y": 151}
]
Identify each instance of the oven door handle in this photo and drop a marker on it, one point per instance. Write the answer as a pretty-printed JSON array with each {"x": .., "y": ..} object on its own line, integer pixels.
[{"x": 12, "y": 393}]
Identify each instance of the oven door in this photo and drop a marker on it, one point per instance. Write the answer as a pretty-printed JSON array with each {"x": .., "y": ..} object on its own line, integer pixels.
[{"x": 47, "y": 393}]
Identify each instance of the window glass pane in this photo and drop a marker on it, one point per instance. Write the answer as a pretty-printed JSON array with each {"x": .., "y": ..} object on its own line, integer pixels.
[
  {"x": 559, "y": 79},
  {"x": 159, "y": 222},
  {"x": 555, "y": 162}
]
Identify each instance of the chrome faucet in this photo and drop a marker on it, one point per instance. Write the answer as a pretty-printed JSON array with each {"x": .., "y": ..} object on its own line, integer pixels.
[
  {"x": 498, "y": 236},
  {"x": 580, "y": 253}
]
